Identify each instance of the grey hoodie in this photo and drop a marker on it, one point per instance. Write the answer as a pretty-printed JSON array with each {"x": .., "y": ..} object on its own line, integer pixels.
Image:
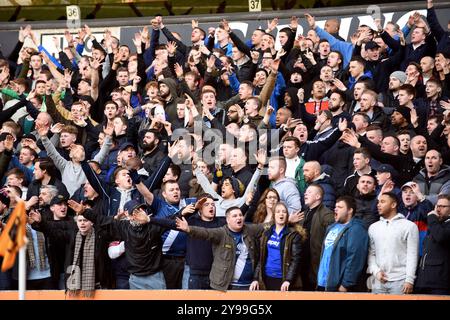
[{"x": 289, "y": 194}]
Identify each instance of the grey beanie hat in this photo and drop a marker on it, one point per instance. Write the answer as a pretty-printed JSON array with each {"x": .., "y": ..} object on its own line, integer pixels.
[{"x": 400, "y": 75}]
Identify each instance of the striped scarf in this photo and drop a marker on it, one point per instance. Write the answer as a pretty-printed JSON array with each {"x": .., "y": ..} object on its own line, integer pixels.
[
  {"x": 87, "y": 265},
  {"x": 30, "y": 249}
]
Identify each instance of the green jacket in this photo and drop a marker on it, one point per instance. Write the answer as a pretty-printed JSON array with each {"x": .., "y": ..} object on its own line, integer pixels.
[
  {"x": 224, "y": 251},
  {"x": 299, "y": 177}
]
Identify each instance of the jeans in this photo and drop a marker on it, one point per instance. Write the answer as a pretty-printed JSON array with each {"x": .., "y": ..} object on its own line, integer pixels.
[
  {"x": 390, "y": 287},
  {"x": 150, "y": 282},
  {"x": 186, "y": 274},
  {"x": 199, "y": 282}
]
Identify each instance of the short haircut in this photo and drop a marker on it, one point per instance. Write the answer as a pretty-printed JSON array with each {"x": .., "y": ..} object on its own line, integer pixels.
[
  {"x": 121, "y": 69},
  {"x": 410, "y": 90},
  {"x": 436, "y": 82},
  {"x": 370, "y": 176},
  {"x": 70, "y": 129},
  {"x": 231, "y": 209},
  {"x": 364, "y": 151},
  {"x": 164, "y": 184},
  {"x": 248, "y": 83},
  {"x": 374, "y": 127},
  {"x": 364, "y": 115},
  {"x": 51, "y": 189},
  {"x": 258, "y": 101},
  {"x": 391, "y": 195},
  {"x": 396, "y": 140},
  {"x": 402, "y": 132},
  {"x": 319, "y": 188},
  {"x": 372, "y": 93},
  {"x": 350, "y": 203},
  {"x": 358, "y": 59},
  {"x": 18, "y": 173},
  {"x": 32, "y": 151},
  {"x": 444, "y": 196},
  {"x": 201, "y": 31},
  {"x": 176, "y": 170},
  {"x": 111, "y": 102},
  {"x": 295, "y": 139},
  {"x": 281, "y": 160},
  {"x": 46, "y": 164}
]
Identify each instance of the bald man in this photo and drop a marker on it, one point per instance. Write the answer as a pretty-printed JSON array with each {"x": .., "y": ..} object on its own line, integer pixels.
[{"x": 313, "y": 174}]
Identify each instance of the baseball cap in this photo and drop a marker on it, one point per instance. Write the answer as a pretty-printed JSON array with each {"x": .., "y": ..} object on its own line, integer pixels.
[
  {"x": 408, "y": 184},
  {"x": 29, "y": 136},
  {"x": 387, "y": 168},
  {"x": 371, "y": 45},
  {"x": 132, "y": 205},
  {"x": 125, "y": 145},
  {"x": 58, "y": 200}
]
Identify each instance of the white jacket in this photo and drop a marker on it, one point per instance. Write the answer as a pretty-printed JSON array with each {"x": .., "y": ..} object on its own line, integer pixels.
[{"x": 393, "y": 249}]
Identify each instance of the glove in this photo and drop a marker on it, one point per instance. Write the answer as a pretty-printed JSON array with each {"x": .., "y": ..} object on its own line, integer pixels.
[{"x": 134, "y": 176}]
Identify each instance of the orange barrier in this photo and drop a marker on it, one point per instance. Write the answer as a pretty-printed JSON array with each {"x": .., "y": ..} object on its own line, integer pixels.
[{"x": 212, "y": 295}]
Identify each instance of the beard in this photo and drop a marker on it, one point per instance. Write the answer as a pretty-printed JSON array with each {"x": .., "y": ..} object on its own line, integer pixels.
[{"x": 148, "y": 146}]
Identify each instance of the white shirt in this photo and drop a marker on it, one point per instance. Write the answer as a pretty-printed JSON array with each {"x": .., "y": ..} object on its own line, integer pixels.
[
  {"x": 291, "y": 166},
  {"x": 394, "y": 248}
]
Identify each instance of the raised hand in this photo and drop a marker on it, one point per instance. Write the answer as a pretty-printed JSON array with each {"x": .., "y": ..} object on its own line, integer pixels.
[
  {"x": 109, "y": 129},
  {"x": 210, "y": 62},
  {"x": 194, "y": 23},
  {"x": 9, "y": 142},
  {"x": 261, "y": 157},
  {"x": 255, "y": 56},
  {"x": 69, "y": 37},
  {"x": 339, "y": 84},
  {"x": 272, "y": 24},
  {"x": 342, "y": 125},
  {"x": 140, "y": 216},
  {"x": 211, "y": 31},
  {"x": 301, "y": 95},
  {"x": 137, "y": 39},
  {"x": 294, "y": 23},
  {"x": 144, "y": 34},
  {"x": 57, "y": 128},
  {"x": 81, "y": 35},
  {"x": 171, "y": 48},
  {"x": 172, "y": 150},
  {"x": 42, "y": 130},
  {"x": 226, "y": 25},
  {"x": 79, "y": 208},
  {"x": 311, "y": 20}
]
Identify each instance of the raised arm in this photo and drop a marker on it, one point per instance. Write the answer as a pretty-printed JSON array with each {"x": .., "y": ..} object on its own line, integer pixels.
[{"x": 59, "y": 161}]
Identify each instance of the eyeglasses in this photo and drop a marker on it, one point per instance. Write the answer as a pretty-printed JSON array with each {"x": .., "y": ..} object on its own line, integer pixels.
[
  {"x": 231, "y": 111},
  {"x": 272, "y": 198},
  {"x": 441, "y": 206}
]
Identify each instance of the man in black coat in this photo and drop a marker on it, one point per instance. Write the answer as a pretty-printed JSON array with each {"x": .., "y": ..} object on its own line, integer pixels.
[{"x": 433, "y": 273}]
